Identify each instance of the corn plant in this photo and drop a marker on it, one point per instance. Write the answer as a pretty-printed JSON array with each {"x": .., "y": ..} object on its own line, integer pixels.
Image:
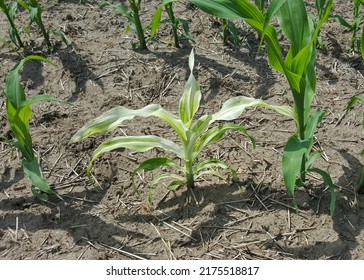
[
  {"x": 320, "y": 7},
  {"x": 35, "y": 15},
  {"x": 10, "y": 13},
  {"x": 299, "y": 69},
  {"x": 133, "y": 17},
  {"x": 354, "y": 27},
  {"x": 350, "y": 105},
  {"x": 18, "y": 112},
  {"x": 193, "y": 136},
  {"x": 175, "y": 22},
  {"x": 229, "y": 33}
]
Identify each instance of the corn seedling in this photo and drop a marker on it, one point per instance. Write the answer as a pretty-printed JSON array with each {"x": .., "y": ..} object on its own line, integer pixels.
[
  {"x": 133, "y": 18},
  {"x": 320, "y": 8},
  {"x": 229, "y": 33},
  {"x": 18, "y": 112},
  {"x": 350, "y": 105},
  {"x": 35, "y": 15},
  {"x": 194, "y": 136},
  {"x": 10, "y": 12},
  {"x": 175, "y": 22},
  {"x": 299, "y": 69},
  {"x": 354, "y": 27}
]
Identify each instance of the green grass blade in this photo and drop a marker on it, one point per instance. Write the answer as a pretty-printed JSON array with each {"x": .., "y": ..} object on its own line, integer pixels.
[{"x": 292, "y": 160}]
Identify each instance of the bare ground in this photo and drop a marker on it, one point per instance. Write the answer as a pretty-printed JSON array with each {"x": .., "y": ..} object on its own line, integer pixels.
[{"x": 249, "y": 219}]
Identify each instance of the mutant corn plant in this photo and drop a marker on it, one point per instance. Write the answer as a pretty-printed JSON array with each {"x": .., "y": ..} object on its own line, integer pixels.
[
  {"x": 299, "y": 69},
  {"x": 133, "y": 17},
  {"x": 350, "y": 105},
  {"x": 174, "y": 22},
  {"x": 193, "y": 136},
  {"x": 18, "y": 112},
  {"x": 354, "y": 26},
  {"x": 10, "y": 12}
]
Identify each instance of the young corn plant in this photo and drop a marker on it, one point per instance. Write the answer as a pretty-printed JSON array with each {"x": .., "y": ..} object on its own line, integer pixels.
[
  {"x": 175, "y": 22},
  {"x": 194, "y": 135},
  {"x": 299, "y": 68},
  {"x": 35, "y": 15},
  {"x": 350, "y": 105},
  {"x": 354, "y": 27},
  {"x": 10, "y": 12},
  {"x": 133, "y": 17},
  {"x": 229, "y": 33},
  {"x": 320, "y": 7},
  {"x": 18, "y": 112}
]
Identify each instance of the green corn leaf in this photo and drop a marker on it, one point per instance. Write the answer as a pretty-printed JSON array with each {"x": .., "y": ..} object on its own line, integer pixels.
[
  {"x": 190, "y": 101},
  {"x": 299, "y": 63},
  {"x": 214, "y": 134},
  {"x": 136, "y": 144},
  {"x": 186, "y": 29},
  {"x": 243, "y": 9},
  {"x": 114, "y": 117},
  {"x": 14, "y": 91},
  {"x": 210, "y": 163},
  {"x": 273, "y": 8},
  {"x": 39, "y": 185},
  {"x": 351, "y": 104},
  {"x": 362, "y": 43},
  {"x": 211, "y": 173},
  {"x": 353, "y": 100},
  {"x": 156, "y": 21},
  {"x": 342, "y": 21},
  {"x": 311, "y": 159},
  {"x": 293, "y": 153},
  {"x": 120, "y": 8},
  {"x": 293, "y": 20},
  {"x": 328, "y": 181},
  {"x": 19, "y": 123},
  {"x": 234, "y": 107},
  {"x": 165, "y": 176},
  {"x": 152, "y": 164},
  {"x": 312, "y": 123},
  {"x": 175, "y": 184},
  {"x": 230, "y": 9}
]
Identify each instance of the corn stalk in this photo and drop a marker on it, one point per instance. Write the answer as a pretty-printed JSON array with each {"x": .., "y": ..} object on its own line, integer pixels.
[{"x": 299, "y": 68}]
